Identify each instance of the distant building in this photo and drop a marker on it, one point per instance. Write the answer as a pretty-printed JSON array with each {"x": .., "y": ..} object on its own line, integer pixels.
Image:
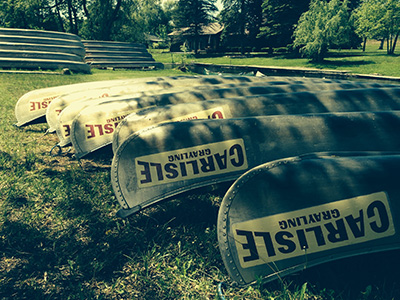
[
  {"x": 153, "y": 40},
  {"x": 209, "y": 38}
]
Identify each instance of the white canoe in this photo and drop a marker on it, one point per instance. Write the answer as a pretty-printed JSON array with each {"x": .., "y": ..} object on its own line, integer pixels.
[
  {"x": 141, "y": 85},
  {"x": 63, "y": 122},
  {"x": 39, "y": 33},
  {"x": 33, "y": 105}
]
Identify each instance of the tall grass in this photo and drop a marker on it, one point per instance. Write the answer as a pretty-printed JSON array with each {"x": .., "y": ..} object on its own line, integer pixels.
[{"x": 60, "y": 238}]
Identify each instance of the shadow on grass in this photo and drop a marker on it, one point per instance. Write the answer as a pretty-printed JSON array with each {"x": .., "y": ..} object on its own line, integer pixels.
[
  {"x": 341, "y": 63},
  {"x": 89, "y": 245},
  {"x": 81, "y": 248}
]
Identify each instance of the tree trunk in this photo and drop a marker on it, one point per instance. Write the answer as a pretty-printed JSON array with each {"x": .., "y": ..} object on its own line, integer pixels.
[
  {"x": 381, "y": 45},
  {"x": 70, "y": 17},
  {"x": 392, "y": 44},
  {"x": 60, "y": 19},
  {"x": 364, "y": 44},
  {"x": 395, "y": 42}
]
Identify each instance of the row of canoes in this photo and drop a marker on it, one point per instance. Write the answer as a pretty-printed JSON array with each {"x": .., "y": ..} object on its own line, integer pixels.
[
  {"x": 286, "y": 207},
  {"x": 104, "y": 54},
  {"x": 37, "y": 49}
]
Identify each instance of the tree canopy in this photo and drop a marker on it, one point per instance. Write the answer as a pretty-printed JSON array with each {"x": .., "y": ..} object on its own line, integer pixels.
[
  {"x": 242, "y": 20},
  {"x": 323, "y": 25},
  {"x": 312, "y": 27},
  {"x": 280, "y": 19},
  {"x": 379, "y": 19},
  {"x": 194, "y": 14}
]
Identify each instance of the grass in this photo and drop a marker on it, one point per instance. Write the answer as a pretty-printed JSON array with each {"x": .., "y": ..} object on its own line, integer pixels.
[
  {"x": 372, "y": 61},
  {"x": 60, "y": 238}
]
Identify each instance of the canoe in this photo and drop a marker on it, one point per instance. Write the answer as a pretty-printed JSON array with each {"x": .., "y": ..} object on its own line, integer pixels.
[
  {"x": 136, "y": 86},
  {"x": 126, "y": 65},
  {"x": 39, "y": 33},
  {"x": 125, "y": 58},
  {"x": 33, "y": 105},
  {"x": 169, "y": 159},
  {"x": 44, "y": 64},
  {"x": 40, "y": 40},
  {"x": 102, "y": 119},
  {"x": 71, "y": 49},
  {"x": 112, "y": 44},
  {"x": 294, "y": 213},
  {"x": 117, "y": 53},
  {"x": 63, "y": 122},
  {"x": 41, "y": 55},
  {"x": 375, "y": 99}
]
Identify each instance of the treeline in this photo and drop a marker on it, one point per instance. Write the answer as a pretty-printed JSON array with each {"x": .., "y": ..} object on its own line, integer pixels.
[{"x": 309, "y": 27}]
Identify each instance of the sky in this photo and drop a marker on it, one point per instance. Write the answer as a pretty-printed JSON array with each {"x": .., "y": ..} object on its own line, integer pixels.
[{"x": 218, "y": 4}]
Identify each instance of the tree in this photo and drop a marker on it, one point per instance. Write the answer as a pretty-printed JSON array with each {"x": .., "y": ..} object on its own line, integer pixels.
[
  {"x": 194, "y": 14},
  {"x": 121, "y": 20},
  {"x": 242, "y": 20},
  {"x": 280, "y": 18},
  {"x": 323, "y": 25},
  {"x": 30, "y": 14},
  {"x": 100, "y": 19},
  {"x": 379, "y": 19}
]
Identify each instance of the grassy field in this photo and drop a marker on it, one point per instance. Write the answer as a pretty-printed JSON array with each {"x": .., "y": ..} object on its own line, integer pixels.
[
  {"x": 60, "y": 238},
  {"x": 372, "y": 61}
]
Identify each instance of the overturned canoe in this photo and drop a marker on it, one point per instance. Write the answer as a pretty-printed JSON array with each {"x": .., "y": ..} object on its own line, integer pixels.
[
  {"x": 144, "y": 85},
  {"x": 93, "y": 128},
  {"x": 44, "y": 64},
  {"x": 63, "y": 122},
  {"x": 41, "y": 40},
  {"x": 39, "y": 55},
  {"x": 290, "y": 214},
  {"x": 376, "y": 99},
  {"x": 159, "y": 162},
  {"x": 32, "y": 106},
  {"x": 39, "y": 33},
  {"x": 71, "y": 49}
]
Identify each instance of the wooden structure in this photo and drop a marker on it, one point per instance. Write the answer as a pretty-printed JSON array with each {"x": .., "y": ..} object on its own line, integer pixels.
[{"x": 208, "y": 38}]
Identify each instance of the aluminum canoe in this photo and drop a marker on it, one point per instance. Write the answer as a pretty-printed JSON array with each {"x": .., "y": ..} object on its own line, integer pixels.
[
  {"x": 63, "y": 122},
  {"x": 39, "y": 33},
  {"x": 93, "y": 128},
  {"x": 290, "y": 214},
  {"x": 169, "y": 159},
  {"x": 47, "y": 64},
  {"x": 41, "y": 40},
  {"x": 33, "y": 105},
  {"x": 135, "y": 87},
  {"x": 375, "y": 99}
]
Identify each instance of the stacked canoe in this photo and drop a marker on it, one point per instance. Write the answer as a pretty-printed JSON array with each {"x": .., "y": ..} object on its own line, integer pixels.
[
  {"x": 39, "y": 49},
  {"x": 107, "y": 54},
  {"x": 311, "y": 163}
]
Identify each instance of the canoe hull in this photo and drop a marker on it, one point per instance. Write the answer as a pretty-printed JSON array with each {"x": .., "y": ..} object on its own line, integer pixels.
[
  {"x": 172, "y": 158},
  {"x": 379, "y": 99},
  {"x": 290, "y": 214}
]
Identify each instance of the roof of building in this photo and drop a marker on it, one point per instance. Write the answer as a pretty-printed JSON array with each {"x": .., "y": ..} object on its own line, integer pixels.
[{"x": 209, "y": 29}]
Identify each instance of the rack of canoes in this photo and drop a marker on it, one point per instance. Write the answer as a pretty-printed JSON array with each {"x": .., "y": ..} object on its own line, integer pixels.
[
  {"x": 39, "y": 49},
  {"x": 308, "y": 165},
  {"x": 105, "y": 54},
  {"x": 49, "y": 50}
]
